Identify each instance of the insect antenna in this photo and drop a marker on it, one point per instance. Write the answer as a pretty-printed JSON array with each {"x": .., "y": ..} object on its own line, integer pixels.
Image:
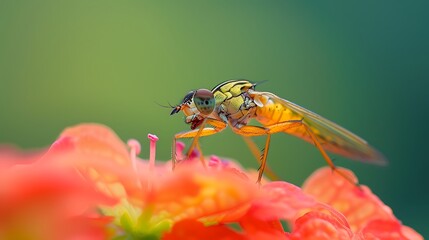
[
  {"x": 176, "y": 109},
  {"x": 165, "y": 106},
  {"x": 260, "y": 82}
]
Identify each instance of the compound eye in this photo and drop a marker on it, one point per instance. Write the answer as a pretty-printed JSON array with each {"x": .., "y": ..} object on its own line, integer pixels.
[{"x": 204, "y": 101}]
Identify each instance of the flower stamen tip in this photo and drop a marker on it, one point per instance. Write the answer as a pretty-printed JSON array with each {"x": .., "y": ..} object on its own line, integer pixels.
[
  {"x": 134, "y": 145},
  {"x": 152, "y": 137}
]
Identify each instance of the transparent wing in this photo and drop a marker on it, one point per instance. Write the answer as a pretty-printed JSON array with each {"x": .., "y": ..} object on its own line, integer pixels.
[{"x": 333, "y": 137}]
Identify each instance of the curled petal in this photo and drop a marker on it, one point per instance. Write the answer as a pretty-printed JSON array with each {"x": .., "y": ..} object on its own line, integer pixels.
[
  {"x": 388, "y": 229},
  {"x": 11, "y": 156},
  {"x": 100, "y": 156},
  {"x": 91, "y": 138},
  {"x": 358, "y": 204},
  {"x": 321, "y": 222},
  {"x": 321, "y": 226},
  {"x": 280, "y": 200}
]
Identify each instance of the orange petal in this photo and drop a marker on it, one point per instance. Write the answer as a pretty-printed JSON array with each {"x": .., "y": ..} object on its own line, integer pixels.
[
  {"x": 259, "y": 229},
  {"x": 93, "y": 138},
  {"x": 280, "y": 200},
  {"x": 194, "y": 192},
  {"x": 388, "y": 229},
  {"x": 10, "y": 156},
  {"x": 320, "y": 224},
  {"x": 194, "y": 230},
  {"x": 40, "y": 200},
  {"x": 100, "y": 156},
  {"x": 358, "y": 204}
]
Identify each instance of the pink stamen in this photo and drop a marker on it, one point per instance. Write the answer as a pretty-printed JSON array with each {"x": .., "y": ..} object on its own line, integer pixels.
[
  {"x": 153, "y": 139},
  {"x": 214, "y": 161},
  {"x": 194, "y": 154},
  {"x": 134, "y": 145},
  {"x": 180, "y": 147},
  {"x": 135, "y": 149},
  {"x": 217, "y": 162}
]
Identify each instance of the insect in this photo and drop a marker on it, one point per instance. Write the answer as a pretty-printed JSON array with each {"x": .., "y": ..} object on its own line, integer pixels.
[{"x": 233, "y": 103}]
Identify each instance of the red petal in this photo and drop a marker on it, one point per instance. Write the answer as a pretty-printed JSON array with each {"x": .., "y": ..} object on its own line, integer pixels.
[
  {"x": 319, "y": 225},
  {"x": 40, "y": 200},
  {"x": 358, "y": 204},
  {"x": 321, "y": 222},
  {"x": 194, "y": 230},
  {"x": 100, "y": 156},
  {"x": 258, "y": 229},
  {"x": 93, "y": 138},
  {"x": 388, "y": 229},
  {"x": 280, "y": 200},
  {"x": 10, "y": 156}
]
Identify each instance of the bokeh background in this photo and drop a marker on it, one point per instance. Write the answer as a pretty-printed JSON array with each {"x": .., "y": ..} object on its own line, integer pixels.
[{"x": 363, "y": 65}]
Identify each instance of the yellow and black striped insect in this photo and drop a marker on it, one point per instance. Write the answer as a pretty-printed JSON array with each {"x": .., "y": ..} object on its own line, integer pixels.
[{"x": 233, "y": 103}]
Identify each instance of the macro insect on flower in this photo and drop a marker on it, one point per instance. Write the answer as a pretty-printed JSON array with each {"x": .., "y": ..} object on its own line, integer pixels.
[
  {"x": 90, "y": 184},
  {"x": 233, "y": 103}
]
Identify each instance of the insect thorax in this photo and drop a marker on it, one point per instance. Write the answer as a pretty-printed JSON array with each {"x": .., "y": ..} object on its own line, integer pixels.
[{"x": 237, "y": 110}]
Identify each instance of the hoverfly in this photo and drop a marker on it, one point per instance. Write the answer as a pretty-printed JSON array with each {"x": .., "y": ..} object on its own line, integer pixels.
[{"x": 233, "y": 103}]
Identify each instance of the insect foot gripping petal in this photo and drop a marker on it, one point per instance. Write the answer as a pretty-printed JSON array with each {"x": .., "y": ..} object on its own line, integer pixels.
[
  {"x": 327, "y": 158},
  {"x": 178, "y": 155}
]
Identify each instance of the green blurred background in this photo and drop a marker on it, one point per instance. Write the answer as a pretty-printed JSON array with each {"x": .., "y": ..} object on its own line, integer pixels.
[{"x": 362, "y": 65}]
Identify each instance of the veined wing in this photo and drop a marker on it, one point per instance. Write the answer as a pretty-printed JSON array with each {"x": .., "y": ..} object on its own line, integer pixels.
[{"x": 333, "y": 137}]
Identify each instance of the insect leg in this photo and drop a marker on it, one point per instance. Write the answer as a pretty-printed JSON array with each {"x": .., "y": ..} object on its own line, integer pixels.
[
  {"x": 218, "y": 126},
  {"x": 248, "y": 131},
  {"x": 326, "y": 157},
  {"x": 285, "y": 126},
  {"x": 195, "y": 143},
  {"x": 257, "y": 154},
  {"x": 201, "y": 132}
]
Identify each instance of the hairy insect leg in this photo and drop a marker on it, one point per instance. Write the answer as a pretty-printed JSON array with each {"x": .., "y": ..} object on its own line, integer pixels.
[
  {"x": 249, "y": 131},
  {"x": 197, "y": 145},
  {"x": 326, "y": 157},
  {"x": 285, "y": 126},
  {"x": 195, "y": 141},
  {"x": 257, "y": 154},
  {"x": 264, "y": 157},
  {"x": 288, "y": 125},
  {"x": 291, "y": 124},
  {"x": 201, "y": 132}
]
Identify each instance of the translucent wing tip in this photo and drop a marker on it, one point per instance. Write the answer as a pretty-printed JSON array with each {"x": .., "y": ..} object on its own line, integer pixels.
[
  {"x": 364, "y": 153},
  {"x": 381, "y": 159},
  {"x": 373, "y": 157}
]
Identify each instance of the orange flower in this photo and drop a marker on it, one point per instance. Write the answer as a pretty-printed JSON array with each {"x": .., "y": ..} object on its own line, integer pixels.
[
  {"x": 93, "y": 183},
  {"x": 367, "y": 215},
  {"x": 43, "y": 201}
]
